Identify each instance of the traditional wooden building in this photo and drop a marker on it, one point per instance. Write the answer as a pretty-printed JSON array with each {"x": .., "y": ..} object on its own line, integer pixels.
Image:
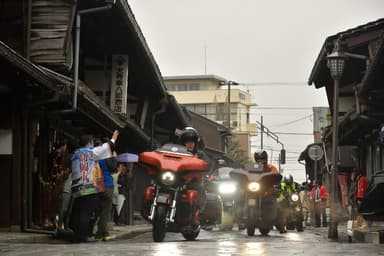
[
  {"x": 361, "y": 115},
  {"x": 45, "y": 96}
]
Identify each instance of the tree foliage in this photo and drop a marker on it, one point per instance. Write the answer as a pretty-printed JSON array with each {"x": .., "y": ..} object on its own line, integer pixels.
[{"x": 238, "y": 155}]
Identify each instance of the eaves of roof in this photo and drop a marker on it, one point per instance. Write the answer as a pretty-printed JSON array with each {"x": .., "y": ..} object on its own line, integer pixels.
[
  {"x": 124, "y": 6},
  {"x": 328, "y": 45},
  {"x": 194, "y": 77},
  {"x": 216, "y": 154},
  {"x": 30, "y": 69},
  {"x": 89, "y": 96},
  {"x": 374, "y": 68},
  {"x": 220, "y": 127},
  {"x": 53, "y": 80}
]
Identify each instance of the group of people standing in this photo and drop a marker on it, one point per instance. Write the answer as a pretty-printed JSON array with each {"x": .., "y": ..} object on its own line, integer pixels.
[{"x": 95, "y": 190}]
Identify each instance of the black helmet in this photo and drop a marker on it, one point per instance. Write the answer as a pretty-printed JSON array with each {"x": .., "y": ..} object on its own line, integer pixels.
[
  {"x": 189, "y": 134},
  {"x": 288, "y": 179},
  {"x": 261, "y": 155}
]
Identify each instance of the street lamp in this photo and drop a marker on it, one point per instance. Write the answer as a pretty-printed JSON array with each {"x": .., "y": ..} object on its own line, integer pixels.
[
  {"x": 228, "y": 83},
  {"x": 336, "y": 62}
]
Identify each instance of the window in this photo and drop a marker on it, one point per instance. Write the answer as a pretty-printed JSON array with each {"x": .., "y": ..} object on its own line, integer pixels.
[
  {"x": 211, "y": 111},
  {"x": 200, "y": 109},
  {"x": 184, "y": 87},
  {"x": 194, "y": 87},
  {"x": 190, "y": 107},
  {"x": 220, "y": 111},
  {"x": 171, "y": 87},
  {"x": 234, "y": 108}
]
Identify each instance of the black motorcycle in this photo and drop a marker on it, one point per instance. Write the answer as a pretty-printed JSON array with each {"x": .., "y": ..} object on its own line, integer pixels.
[
  {"x": 259, "y": 197},
  {"x": 295, "y": 214}
]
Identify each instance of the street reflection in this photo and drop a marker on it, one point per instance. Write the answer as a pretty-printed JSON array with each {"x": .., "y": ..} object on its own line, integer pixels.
[
  {"x": 166, "y": 249},
  {"x": 253, "y": 248},
  {"x": 293, "y": 237},
  {"x": 227, "y": 248}
]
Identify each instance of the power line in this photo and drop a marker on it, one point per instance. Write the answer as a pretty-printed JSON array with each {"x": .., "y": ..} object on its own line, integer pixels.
[
  {"x": 295, "y": 133},
  {"x": 290, "y": 122},
  {"x": 299, "y": 83},
  {"x": 282, "y": 107}
]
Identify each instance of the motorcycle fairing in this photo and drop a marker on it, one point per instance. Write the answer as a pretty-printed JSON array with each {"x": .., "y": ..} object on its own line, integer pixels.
[
  {"x": 267, "y": 178},
  {"x": 158, "y": 160}
]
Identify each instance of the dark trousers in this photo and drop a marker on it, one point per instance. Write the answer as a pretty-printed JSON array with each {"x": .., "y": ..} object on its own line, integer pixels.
[
  {"x": 320, "y": 215},
  {"x": 83, "y": 211},
  {"x": 104, "y": 211}
]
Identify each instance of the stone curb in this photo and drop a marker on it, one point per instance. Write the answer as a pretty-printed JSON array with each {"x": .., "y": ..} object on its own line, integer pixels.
[{"x": 28, "y": 237}]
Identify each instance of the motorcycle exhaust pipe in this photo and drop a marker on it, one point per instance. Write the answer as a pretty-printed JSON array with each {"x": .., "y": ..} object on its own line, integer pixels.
[
  {"x": 152, "y": 211},
  {"x": 173, "y": 211},
  {"x": 153, "y": 206},
  {"x": 173, "y": 207}
]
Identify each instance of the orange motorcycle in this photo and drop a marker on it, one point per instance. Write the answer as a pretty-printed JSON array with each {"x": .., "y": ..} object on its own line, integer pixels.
[{"x": 173, "y": 202}]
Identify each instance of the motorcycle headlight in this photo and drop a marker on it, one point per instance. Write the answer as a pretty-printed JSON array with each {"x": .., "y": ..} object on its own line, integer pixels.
[
  {"x": 253, "y": 186},
  {"x": 295, "y": 197},
  {"x": 227, "y": 188},
  {"x": 168, "y": 178}
]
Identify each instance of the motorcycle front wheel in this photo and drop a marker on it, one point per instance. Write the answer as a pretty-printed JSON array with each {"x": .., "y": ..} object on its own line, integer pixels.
[
  {"x": 191, "y": 236},
  {"x": 251, "y": 222},
  {"x": 299, "y": 226},
  {"x": 264, "y": 231},
  {"x": 159, "y": 227}
]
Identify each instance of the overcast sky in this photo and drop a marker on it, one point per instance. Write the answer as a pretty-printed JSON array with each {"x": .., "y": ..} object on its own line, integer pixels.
[{"x": 253, "y": 42}]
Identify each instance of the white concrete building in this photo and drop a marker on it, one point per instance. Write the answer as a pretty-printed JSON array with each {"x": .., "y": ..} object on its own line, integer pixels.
[{"x": 204, "y": 95}]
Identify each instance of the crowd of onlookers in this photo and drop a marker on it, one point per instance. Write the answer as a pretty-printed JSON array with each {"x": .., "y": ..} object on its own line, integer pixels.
[
  {"x": 86, "y": 191},
  {"x": 315, "y": 200}
]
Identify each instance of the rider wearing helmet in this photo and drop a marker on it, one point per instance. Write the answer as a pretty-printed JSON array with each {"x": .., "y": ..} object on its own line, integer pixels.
[
  {"x": 287, "y": 188},
  {"x": 262, "y": 158},
  {"x": 190, "y": 138}
]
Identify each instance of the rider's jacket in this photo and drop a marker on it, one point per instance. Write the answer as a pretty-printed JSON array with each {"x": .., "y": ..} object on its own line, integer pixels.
[
  {"x": 287, "y": 189},
  {"x": 272, "y": 168}
]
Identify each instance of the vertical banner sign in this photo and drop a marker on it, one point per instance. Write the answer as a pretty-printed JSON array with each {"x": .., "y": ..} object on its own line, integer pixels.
[{"x": 119, "y": 83}]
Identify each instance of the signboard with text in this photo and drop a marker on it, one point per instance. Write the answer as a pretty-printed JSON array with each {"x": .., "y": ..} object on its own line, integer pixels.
[{"x": 119, "y": 86}]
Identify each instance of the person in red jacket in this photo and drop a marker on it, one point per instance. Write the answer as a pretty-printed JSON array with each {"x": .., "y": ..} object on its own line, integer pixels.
[
  {"x": 362, "y": 186},
  {"x": 319, "y": 196}
]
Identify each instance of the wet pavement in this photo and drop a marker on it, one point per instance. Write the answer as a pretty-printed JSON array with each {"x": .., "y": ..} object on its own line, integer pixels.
[{"x": 313, "y": 241}]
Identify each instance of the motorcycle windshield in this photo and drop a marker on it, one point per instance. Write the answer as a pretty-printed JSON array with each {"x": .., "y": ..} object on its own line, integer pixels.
[
  {"x": 267, "y": 178},
  {"x": 174, "y": 149}
]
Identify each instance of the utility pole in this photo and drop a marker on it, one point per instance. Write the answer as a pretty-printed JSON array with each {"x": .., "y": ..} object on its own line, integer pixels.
[
  {"x": 262, "y": 131},
  {"x": 228, "y": 83}
]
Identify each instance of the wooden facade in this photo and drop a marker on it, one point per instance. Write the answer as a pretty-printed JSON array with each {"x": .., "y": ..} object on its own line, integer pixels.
[
  {"x": 36, "y": 95},
  {"x": 50, "y": 40},
  {"x": 361, "y": 115}
]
